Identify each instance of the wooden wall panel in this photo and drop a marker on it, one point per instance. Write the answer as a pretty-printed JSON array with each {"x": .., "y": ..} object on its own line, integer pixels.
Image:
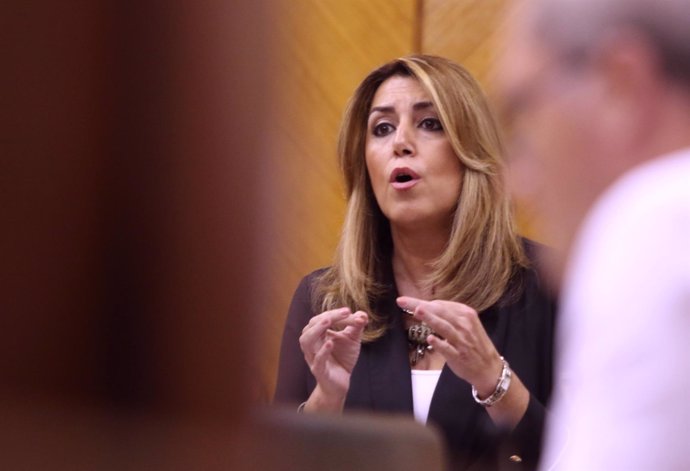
[
  {"x": 325, "y": 49},
  {"x": 464, "y": 31}
]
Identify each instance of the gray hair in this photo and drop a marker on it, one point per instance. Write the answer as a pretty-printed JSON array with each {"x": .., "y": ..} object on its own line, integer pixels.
[{"x": 574, "y": 28}]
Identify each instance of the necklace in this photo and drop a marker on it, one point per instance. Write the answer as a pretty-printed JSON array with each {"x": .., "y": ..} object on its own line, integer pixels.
[{"x": 416, "y": 339}]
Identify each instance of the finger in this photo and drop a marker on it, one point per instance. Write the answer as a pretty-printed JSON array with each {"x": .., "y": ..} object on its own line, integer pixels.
[
  {"x": 334, "y": 315},
  {"x": 430, "y": 314},
  {"x": 408, "y": 303},
  {"x": 450, "y": 310},
  {"x": 466, "y": 345},
  {"x": 467, "y": 329},
  {"x": 459, "y": 316},
  {"x": 319, "y": 324},
  {"x": 357, "y": 322},
  {"x": 312, "y": 335},
  {"x": 358, "y": 319},
  {"x": 319, "y": 365},
  {"x": 309, "y": 350},
  {"x": 312, "y": 339},
  {"x": 443, "y": 347},
  {"x": 340, "y": 340}
]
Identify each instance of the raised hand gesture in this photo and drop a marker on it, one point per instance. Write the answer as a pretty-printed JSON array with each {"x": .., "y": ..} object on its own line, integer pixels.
[{"x": 331, "y": 343}]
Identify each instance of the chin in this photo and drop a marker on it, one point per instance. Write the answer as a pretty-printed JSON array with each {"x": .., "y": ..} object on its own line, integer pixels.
[{"x": 409, "y": 219}]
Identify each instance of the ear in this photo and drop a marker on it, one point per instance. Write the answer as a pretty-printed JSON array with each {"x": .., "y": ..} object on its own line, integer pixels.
[{"x": 630, "y": 76}]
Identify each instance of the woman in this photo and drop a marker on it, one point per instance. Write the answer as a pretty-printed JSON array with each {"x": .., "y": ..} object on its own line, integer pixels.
[{"x": 431, "y": 307}]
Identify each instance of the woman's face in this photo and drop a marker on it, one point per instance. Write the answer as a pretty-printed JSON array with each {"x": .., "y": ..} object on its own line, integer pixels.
[{"x": 414, "y": 172}]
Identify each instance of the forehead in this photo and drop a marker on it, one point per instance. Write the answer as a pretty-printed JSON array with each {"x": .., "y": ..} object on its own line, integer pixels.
[
  {"x": 521, "y": 65},
  {"x": 399, "y": 90},
  {"x": 522, "y": 58}
]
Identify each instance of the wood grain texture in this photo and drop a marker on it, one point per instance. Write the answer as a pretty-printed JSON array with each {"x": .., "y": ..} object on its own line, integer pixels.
[
  {"x": 325, "y": 48},
  {"x": 464, "y": 31}
]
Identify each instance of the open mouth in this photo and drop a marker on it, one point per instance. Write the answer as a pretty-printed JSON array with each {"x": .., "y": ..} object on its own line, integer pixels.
[{"x": 403, "y": 178}]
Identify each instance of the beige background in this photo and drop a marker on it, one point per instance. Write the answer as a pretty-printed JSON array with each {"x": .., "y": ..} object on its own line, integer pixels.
[{"x": 324, "y": 49}]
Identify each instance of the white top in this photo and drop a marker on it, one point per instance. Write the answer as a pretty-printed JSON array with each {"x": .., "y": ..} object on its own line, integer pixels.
[
  {"x": 621, "y": 401},
  {"x": 423, "y": 387}
]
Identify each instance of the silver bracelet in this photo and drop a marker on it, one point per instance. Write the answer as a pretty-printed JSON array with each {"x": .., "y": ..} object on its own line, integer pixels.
[{"x": 501, "y": 387}]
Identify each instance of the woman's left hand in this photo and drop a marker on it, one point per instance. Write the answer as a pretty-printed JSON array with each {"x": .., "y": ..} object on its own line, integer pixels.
[{"x": 461, "y": 340}]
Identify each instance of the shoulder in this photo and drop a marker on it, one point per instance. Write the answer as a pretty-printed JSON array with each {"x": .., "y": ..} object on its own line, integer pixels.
[
  {"x": 656, "y": 182},
  {"x": 535, "y": 252},
  {"x": 529, "y": 279},
  {"x": 642, "y": 220},
  {"x": 529, "y": 302},
  {"x": 531, "y": 247},
  {"x": 308, "y": 283},
  {"x": 303, "y": 304},
  {"x": 647, "y": 198}
]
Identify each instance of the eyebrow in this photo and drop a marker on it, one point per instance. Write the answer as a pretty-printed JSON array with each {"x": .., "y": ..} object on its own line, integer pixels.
[{"x": 422, "y": 105}]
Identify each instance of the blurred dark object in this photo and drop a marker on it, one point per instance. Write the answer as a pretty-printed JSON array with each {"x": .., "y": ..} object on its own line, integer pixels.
[
  {"x": 292, "y": 441},
  {"x": 129, "y": 165}
]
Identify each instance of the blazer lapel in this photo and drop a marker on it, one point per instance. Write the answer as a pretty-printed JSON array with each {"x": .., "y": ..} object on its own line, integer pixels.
[
  {"x": 389, "y": 368},
  {"x": 454, "y": 410},
  {"x": 453, "y": 405}
]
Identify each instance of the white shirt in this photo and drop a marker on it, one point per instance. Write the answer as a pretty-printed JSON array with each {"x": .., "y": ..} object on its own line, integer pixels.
[
  {"x": 423, "y": 386},
  {"x": 622, "y": 401}
]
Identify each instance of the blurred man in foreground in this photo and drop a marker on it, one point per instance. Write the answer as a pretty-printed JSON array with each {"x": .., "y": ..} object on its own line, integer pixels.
[{"x": 596, "y": 98}]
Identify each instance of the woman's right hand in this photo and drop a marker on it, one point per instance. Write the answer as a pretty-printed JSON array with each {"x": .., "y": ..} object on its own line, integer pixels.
[{"x": 331, "y": 343}]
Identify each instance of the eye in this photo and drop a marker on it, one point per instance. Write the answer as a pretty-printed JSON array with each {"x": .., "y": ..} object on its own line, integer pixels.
[
  {"x": 431, "y": 124},
  {"x": 382, "y": 129}
]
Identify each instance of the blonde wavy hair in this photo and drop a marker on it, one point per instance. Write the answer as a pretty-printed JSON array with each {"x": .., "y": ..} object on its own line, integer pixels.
[{"x": 483, "y": 252}]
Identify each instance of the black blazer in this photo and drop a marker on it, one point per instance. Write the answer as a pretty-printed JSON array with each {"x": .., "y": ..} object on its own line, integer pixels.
[{"x": 522, "y": 331}]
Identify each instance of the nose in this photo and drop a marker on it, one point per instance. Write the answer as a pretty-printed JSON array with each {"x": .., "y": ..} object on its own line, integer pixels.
[{"x": 403, "y": 143}]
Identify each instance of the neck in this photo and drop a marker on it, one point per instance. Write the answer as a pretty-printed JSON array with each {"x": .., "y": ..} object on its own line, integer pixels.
[{"x": 414, "y": 252}]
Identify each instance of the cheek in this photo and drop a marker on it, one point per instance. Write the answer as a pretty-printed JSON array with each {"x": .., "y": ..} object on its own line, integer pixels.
[
  {"x": 376, "y": 171},
  {"x": 443, "y": 156},
  {"x": 451, "y": 171},
  {"x": 373, "y": 159},
  {"x": 569, "y": 145},
  {"x": 552, "y": 143}
]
